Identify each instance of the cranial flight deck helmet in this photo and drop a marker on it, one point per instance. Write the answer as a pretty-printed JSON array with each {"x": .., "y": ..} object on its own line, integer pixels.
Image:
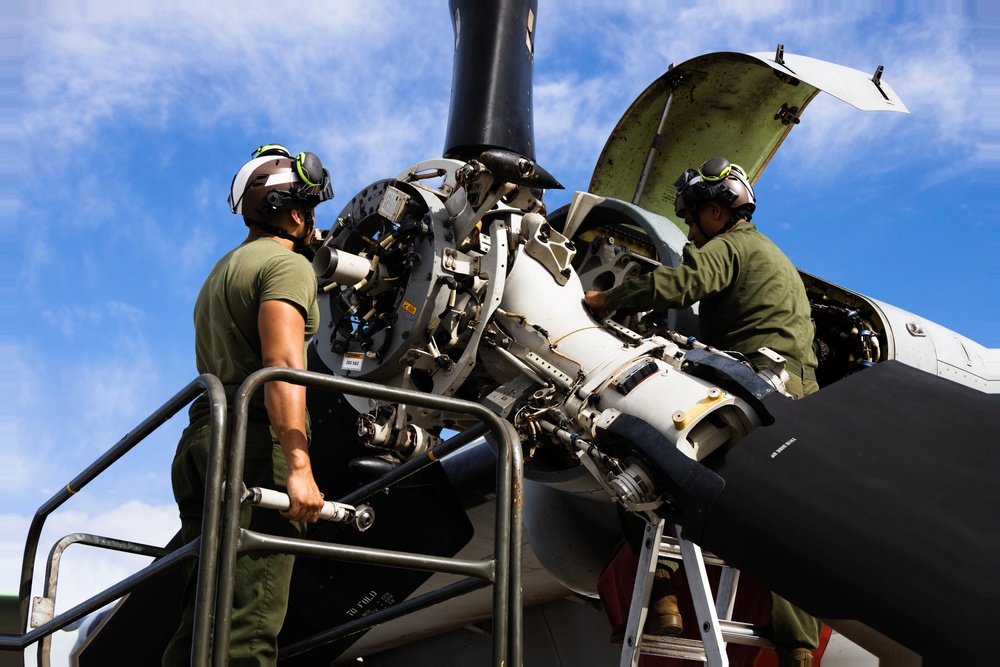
[
  {"x": 274, "y": 181},
  {"x": 719, "y": 181}
]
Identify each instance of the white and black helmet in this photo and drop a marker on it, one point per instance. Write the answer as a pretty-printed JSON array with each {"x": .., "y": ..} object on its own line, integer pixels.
[
  {"x": 715, "y": 180},
  {"x": 275, "y": 181}
]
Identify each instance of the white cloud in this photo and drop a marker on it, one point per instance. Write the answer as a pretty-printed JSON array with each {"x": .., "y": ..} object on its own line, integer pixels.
[
  {"x": 84, "y": 571},
  {"x": 68, "y": 320},
  {"x": 378, "y": 98},
  {"x": 114, "y": 390},
  {"x": 144, "y": 62},
  {"x": 943, "y": 88}
]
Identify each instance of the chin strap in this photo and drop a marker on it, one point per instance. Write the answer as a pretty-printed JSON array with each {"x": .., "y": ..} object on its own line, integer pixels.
[
  {"x": 697, "y": 223},
  {"x": 277, "y": 231},
  {"x": 736, "y": 218}
]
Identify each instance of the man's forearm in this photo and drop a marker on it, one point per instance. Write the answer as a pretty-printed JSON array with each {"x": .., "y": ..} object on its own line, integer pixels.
[
  {"x": 281, "y": 328},
  {"x": 286, "y": 409}
]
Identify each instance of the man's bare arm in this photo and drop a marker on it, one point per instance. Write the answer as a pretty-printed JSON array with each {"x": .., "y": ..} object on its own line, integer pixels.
[{"x": 282, "y": 332}]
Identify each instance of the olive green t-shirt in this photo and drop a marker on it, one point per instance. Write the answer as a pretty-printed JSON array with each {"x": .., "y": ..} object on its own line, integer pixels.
[
  {"x": 227, "y": 341},
  {"x": 751, "y": 295}
]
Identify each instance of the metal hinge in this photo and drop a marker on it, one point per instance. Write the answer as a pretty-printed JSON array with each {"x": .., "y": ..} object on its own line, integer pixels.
[{"x": 788, "y": 115}]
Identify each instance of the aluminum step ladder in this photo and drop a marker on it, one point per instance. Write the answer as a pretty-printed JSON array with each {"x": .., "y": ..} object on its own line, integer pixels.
[{"x": 714, "y": 617}]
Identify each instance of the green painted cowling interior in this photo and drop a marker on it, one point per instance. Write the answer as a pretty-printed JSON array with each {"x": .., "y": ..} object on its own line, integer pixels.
[{"x": 724, "y": 105}]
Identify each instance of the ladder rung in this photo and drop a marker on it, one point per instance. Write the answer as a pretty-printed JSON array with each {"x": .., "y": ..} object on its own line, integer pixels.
[
  {"x": 693, "y": 649},
  {"x": 673, "y": 647},
  {"x": 744, "y": 633}
]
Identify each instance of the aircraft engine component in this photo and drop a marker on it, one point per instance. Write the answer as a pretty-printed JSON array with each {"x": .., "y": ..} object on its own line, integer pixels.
[
  {"x": 600, "y": 375},
  {"x": 496, "y": 111},
  {"x": 340, "y": 267},
  {"x": 609, "y": 260},
  {"x": 416, "y": 441},
  {"x": 633, "y": 487},
  {"x": 416, "y": 317},
  {"x": 447, "y": 279},
  {"x": 846, "y": 342},
  {"x": 375, "y": 428}
]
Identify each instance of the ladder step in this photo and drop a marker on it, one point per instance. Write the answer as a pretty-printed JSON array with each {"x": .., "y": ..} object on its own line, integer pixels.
[
  {"x": 693, "y": 649},
  {"x": 673, "y": 647},
  {"x": 745, "y": 633}
]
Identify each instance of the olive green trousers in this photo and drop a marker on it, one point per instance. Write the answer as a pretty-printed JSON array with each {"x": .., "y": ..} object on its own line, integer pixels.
[{"x": 260, "y": 596}]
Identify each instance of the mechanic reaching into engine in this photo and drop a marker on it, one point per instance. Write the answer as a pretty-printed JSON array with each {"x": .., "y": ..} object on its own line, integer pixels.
[
  {"x": 751, "y": 296},
  {"x": 257, "y": 308}
]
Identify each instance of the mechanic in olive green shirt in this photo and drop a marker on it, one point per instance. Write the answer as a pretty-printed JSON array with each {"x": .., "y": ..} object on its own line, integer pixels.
[
  {"x": 256, "y": 309},
  {"x": 751, "y": 297}
]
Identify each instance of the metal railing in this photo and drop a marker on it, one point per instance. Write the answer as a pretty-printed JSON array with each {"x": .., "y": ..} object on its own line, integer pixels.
[
  {"x": 223, "y": 540},
  {"x": 508, "y": 530},
  {"x": 43, "y": 628}
]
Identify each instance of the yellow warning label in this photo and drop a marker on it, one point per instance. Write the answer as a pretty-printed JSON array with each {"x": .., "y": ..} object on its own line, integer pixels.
[
  {"x": 353, "y": 361},
  {"x": 410, "y": 308}
]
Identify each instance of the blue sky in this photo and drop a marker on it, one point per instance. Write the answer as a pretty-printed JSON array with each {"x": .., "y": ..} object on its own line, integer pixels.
[{"x": 131, "y": 120}]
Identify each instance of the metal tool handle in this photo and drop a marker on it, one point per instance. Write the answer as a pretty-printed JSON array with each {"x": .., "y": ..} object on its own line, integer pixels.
[{"x": 361, "y": 517}]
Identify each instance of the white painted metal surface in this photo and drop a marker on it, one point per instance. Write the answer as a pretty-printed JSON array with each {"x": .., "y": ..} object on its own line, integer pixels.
[{"x": 847, "y": 84}]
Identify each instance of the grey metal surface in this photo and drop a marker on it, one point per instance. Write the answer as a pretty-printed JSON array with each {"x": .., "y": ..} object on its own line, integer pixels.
[
  {"x": 403, "y": 608},
  {"x": 566, "y": 631},
  {"x": 252, "y": 541}
]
